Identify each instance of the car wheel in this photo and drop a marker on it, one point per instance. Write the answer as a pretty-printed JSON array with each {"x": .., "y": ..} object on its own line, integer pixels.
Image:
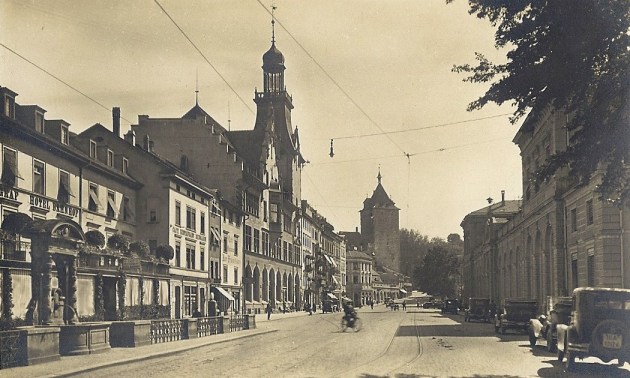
[
  {"x": 551, "y": 343},
  {"x": 532, "y": 339}
]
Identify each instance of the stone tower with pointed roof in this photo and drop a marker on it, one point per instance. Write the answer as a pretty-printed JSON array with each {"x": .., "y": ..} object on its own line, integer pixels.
[{"x": 380, "y": 227}]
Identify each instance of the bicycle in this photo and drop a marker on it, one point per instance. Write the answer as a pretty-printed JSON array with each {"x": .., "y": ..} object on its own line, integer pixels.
[{"x": 356, "y": 324}]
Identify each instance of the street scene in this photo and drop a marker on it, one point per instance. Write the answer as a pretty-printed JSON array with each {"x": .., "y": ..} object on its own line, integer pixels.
[
  {"x": 336, "y": 189},
  {"x": 413, "y": 343}
]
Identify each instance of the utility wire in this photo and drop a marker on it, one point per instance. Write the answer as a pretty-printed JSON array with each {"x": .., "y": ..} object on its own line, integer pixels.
[
  {"x": 58, "y": 79},
  {"x": 332, "y": 79},
  {"x": 408, "y": 155},
  {"x": 203, "y": 56},
  {"x": 423, "y": 128}
]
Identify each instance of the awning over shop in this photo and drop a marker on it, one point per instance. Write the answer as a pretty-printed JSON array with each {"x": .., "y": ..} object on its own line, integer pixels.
[
  {"x": 215, "y": 234},
  {"x": 335, "y": 281},
  {"x": 331, "y": 296},
  {"x": 224, "y": 293},
  {"x": 403, "y": 291}
]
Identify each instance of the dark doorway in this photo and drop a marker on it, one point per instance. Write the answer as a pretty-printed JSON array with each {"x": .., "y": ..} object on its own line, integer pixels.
[
  {"x": 109, "y": 298},
  {"x": 178, "y": 304}
]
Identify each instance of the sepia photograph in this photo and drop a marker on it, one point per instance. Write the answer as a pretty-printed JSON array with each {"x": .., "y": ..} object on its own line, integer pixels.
[{"x": 277, "y": 188}]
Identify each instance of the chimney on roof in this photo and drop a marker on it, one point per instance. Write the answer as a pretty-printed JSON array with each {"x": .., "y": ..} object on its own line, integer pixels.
[
  {"x": 503, "y": 197},
  {"x": 130, "y": 137},
  {"x": 116, "y": 120}
]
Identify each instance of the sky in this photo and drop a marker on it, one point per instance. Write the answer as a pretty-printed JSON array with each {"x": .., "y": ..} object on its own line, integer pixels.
[{"x": 354, "y": 69}]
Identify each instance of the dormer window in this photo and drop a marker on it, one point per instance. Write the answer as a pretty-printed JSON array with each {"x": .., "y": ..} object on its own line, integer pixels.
[
  {"x": 92, "y": 149},
  {"x": 9, "y": 106},
  {"x": 125, "y": 165},
  {"x": 39, "y": 122},
  {"x": 110, "y": 158},
  {"x": 64, "y": 134}
]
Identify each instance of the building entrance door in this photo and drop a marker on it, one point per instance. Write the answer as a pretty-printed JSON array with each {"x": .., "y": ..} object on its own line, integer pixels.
[
  {"x": 178, "y": 302},
  {"x": 109, "y": 298}
]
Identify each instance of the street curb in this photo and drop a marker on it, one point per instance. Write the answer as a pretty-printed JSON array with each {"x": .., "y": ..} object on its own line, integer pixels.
[{"x": 155, "y": 355}]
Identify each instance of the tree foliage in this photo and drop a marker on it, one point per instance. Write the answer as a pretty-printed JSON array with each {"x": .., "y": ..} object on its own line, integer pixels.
[
  {"x": 413, "y": 247},
  {"x": 438, "y": 275},
  {"x": 119, "y": 242},
  {"x": 165, "y": 252},
  {"x": 95, "y": 238},
  {"x": 573, "y": 56}
]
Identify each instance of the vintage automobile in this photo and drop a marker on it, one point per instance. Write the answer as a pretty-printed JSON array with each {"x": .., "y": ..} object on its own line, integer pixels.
[
  {"x": 545, "y": 326},
  {"x": 327, "y": 306},
  {"x": 515, "y": 314},
  {"x": 478, "y": 309},
  {"x": 427, "y": 304},
  {"x": 599, "y": 327},
  {"x": 450, "y": 306}
]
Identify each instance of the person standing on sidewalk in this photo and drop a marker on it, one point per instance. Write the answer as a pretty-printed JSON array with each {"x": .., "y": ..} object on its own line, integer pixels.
[{"x": 268, "y": 310}]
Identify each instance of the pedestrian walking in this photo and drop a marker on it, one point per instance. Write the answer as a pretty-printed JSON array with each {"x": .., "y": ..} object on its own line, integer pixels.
[
  {"x": 372, "y": 305},
  {"x": 268, "y": 310},
  {"x": 404, "y": 305}
]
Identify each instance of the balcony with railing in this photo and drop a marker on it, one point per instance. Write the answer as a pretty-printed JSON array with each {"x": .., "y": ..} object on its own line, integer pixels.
[{"x": 14, "y": 250}]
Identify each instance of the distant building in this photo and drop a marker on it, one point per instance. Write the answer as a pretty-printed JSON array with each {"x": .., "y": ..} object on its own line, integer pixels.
[{"x": 380, "y": 227}]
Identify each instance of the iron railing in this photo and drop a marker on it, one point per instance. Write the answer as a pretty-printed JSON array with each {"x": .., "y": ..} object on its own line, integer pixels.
[
  {"x": 163, "y": 331},
  {"x": 209, "y": 326}
]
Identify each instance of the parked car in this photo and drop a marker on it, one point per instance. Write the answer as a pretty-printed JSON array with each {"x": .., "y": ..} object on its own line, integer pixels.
[
  {"x": 327, "y": 306},
  {"x": 478, "y": 309},
  {"x": 428, "y": 304},
  {"x": 545, "y": 326},
  {"x": 599, "y": 327},
  {"x": 438, "y": 304},
  {"x": 515, "y": 314},
  {"x": 450, "y": 306}
]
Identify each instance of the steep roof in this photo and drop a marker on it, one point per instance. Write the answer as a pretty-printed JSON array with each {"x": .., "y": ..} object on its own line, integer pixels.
[{"x": 248, "y": 143}]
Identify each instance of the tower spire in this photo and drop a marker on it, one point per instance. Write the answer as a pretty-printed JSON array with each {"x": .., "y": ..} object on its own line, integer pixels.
[
  {"x": 273, "y": 24},
  {"x": 379, "y": 174},
  {"x": 197, "y": 87}
]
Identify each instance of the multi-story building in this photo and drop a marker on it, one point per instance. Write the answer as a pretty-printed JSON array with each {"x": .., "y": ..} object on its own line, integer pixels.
[
  {"x": 258, "y": 170},
  {"x": 72, "y": 186},
  {"x": 560, "y": 237},
  {"x": 359, "y": 287},
  {"x": 172, "y": 209}
]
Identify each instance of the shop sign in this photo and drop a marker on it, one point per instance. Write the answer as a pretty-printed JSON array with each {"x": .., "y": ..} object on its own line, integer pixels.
[
  {"x": 46, "y": 204},
  {"x": 187, "y": 233},
  {"x": 8, "y": 193}
]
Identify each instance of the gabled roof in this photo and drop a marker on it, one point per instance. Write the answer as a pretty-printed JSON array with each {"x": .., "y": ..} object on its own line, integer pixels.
[
  {"x": 196, "y": 112},
  {"x": 248, "y": 144}
]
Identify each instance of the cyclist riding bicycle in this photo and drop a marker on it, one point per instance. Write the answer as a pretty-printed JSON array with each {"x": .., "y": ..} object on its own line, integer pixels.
[{"x": 349, "y": 313}]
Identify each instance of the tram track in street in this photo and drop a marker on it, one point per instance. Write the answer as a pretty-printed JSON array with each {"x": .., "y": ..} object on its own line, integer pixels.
[{"x": 345, "y": 373}]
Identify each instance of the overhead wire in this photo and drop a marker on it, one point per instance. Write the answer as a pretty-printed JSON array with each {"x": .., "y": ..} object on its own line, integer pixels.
[
  {"x": 345, "y": 93},
  {"x": 58, "y": 79},
  {"x": 423, "y": 127},
  {"x": 203, "y": 56},
  {"x": 442, "y": 149}
]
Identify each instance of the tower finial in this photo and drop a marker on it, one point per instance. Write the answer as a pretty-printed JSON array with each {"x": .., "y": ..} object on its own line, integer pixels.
[
  {"x": 379, "y": 174},
  {"x": 197, "y": 87},
  {"x": 273, "y": 24}
]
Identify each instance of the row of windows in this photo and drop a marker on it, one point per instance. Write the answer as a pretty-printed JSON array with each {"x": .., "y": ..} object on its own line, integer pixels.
[
  {"x": 10, "y": 173},
  {"x": 110, "y": 157},
  {"x": 191, "y": 218},
  {"x": 589, "y": 216},
  {"x": 191, "y": 257}
]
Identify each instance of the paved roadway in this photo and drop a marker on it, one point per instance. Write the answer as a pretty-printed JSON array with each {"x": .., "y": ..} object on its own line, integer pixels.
[{"x": 415, "y": 343}]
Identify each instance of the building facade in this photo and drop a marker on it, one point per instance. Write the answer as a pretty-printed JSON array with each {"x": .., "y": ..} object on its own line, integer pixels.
[{"x": 560, "y": 236}]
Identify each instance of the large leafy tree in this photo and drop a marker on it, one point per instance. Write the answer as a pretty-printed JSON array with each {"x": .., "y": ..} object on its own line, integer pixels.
[
  {"x": 438, "y": 273},
  {"x": 573, "y": 55},
  {"x": 413, "y": 248}
]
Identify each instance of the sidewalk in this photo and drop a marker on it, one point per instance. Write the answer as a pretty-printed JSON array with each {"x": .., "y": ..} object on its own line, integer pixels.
[{"x": 69, "y": 365}]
